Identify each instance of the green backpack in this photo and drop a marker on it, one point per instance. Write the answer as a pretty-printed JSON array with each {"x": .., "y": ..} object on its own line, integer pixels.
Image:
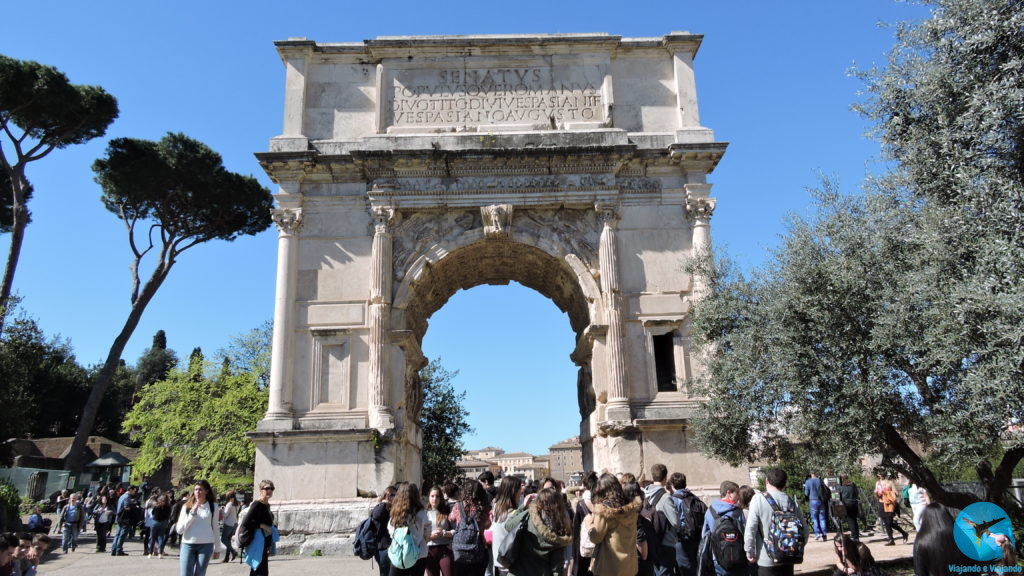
[{"x": 403, "y": 551}]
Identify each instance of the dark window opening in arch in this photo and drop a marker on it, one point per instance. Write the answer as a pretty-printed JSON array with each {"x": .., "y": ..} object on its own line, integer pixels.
[{"x": 665, "y": 361}]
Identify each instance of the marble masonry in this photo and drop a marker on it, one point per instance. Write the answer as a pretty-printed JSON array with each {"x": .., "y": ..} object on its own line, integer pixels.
[{"x": 412, "y": 167}]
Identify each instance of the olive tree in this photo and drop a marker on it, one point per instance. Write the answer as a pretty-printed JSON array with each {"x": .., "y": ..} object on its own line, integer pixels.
[{"x": 892, "y": 322}]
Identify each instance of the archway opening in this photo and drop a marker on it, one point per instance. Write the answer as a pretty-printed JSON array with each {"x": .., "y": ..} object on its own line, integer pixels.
[
  {"x": 511, "y": 346},
  {"x": 516, "y": 352}
]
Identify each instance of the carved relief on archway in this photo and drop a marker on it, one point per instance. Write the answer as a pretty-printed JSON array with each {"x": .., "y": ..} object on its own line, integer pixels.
[{"x": 565, "y": 240}]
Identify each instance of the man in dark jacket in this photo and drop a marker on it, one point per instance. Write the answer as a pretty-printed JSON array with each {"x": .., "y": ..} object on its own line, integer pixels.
[{"x": 849, "y": 495}]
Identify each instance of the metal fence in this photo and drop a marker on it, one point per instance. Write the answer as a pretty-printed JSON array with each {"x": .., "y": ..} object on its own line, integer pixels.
[{"x": 55, "y": 480}]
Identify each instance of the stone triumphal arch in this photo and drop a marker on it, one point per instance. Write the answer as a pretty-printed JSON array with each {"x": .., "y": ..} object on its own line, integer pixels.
[{"x": 412, "y": 167}]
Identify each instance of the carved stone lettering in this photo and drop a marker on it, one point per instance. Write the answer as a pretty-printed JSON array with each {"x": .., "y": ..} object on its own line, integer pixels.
[{"x": 547, "y": 96}]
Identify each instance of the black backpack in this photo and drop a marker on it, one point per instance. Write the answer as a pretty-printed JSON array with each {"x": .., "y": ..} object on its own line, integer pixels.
[
  {"x": 691, "y": 518},
  {"x": 468, "y": 541},
  {"x": 658, "y": 521},
  {"x": 365, "y": 545},
  {"x": 727, "y": 540},
  {"x": 128, "y": 514}
]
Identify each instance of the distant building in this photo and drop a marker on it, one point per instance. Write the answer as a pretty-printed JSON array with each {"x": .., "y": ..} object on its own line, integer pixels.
[
  {"x": 472, "y": 468},
  {"x": 489, "y": 453},
  {"x": 106, "y": 460},
  {"x": 566, "y": 458}
]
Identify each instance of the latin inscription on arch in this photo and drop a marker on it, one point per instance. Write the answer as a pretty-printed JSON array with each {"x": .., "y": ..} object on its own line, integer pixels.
[{"x": 504, "y": 95}]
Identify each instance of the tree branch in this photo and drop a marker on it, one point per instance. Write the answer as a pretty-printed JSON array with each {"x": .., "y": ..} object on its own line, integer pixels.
[
  {"x": 996, "y": 491},
  {"x": 919, "y": 472},
  {"x": 920, "y": 382},
  {"x": 14, "y": 141}
]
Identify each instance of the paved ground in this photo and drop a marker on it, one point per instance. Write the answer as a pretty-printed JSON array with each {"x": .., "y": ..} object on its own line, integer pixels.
[{"x": 85, "y": 562}]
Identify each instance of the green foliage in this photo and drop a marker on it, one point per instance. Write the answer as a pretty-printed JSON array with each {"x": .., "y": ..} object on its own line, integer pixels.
[
  {"x": 181, "y": 184},
  {"x": 250, "y": 352},
  {"x": 48, "y": 107},
  {"x": 155, "y": 362},
  {"x": 114, "y": 405},
  {"x": 443, "y": 420},
  {"x": 9, "y": 498},
  {"x": 171, "y": 195},
  {"x": 891, "y": 322},
  {"x": 51, "y": 113},
  {"x": 7, "y": 202},
  {"x": 36, "y": 370},
  {"x": 199, "y": 417}
]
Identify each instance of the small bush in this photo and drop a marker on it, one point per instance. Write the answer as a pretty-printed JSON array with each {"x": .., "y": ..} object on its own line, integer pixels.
[{"x": 9, "y": 498}]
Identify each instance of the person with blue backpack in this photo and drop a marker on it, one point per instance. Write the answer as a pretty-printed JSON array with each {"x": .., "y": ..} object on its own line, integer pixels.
[
  {"x": 723, "y": 528},
  {"x": 776, "y": 530},
  {"x": 410, "y": 528},
  {"x": 690, "y": 511}
]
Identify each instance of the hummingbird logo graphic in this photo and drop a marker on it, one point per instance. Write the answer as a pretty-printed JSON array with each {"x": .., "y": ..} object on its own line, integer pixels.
[{"x": 976, "y": 527}]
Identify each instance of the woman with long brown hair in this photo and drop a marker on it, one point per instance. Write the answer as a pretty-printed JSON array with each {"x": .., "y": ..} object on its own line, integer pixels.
[
  {"x": 476, "y": 505},
  {"x": 197, "y": 525},
  {"x": 380, "y": 515},
  {"x": 407, "y": 511},
  {"x": 614, "y": 529},
  {"x": 439, "y": 551},
  {"x": 510, "y": 494},
  {"x": 548, "y": 533}
]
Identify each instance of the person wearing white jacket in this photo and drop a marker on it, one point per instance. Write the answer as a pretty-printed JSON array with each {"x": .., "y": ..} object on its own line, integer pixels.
[
  {"x": 198, "y": 527},
  {"x": 917, "y": 503}
]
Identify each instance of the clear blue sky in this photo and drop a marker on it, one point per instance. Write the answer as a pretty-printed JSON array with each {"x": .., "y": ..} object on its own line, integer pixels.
[{"x": 772, "y": 79}]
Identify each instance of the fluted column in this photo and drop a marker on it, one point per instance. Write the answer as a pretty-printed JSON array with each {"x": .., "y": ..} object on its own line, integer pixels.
[
  {"x": 618, "y": 401},
  {"x": 289, "y": 221},
  {"x": 380, "y": 415},
  {"x": 699, "y": 208}
]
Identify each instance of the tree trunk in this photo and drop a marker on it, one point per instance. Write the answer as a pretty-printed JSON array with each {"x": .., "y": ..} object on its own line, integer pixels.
[
  {"x": 19, "y": 223},
  {"x": 75, "y": 461}
]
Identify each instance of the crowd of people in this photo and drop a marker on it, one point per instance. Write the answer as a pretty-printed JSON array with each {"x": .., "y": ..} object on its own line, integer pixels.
[
  {"x": 620, "y": 526},
  {"x": 203, "y": 527}
]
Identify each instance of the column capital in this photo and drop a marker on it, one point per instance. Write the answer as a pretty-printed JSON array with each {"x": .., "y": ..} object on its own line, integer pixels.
[
  {"x": 384, "y": 217},
  {"x": 698, "y": 208},
  {"x": 288, "y": 220},
  {"x": 608, "y": 214}
]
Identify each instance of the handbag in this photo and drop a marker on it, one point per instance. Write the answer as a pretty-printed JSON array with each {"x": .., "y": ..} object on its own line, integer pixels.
[
  {"x": 508, "y": 552},
  {"x": 587, "y": 547}
]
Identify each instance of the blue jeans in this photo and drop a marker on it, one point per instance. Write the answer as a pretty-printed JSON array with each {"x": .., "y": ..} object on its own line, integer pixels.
[
  {"x": 195, "y": 558},
  {"x": 686, "y": 558},
  {"x": 157, "y": 537},
  {"x": 119, "y": 538},
  {"x": 383, "y": 562},
  {"x": 226, "y": 532},
  {"x": 818, "y": 518},
  {"x": 69, "y": 536},
  {"x": 665, "y": 565}
]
